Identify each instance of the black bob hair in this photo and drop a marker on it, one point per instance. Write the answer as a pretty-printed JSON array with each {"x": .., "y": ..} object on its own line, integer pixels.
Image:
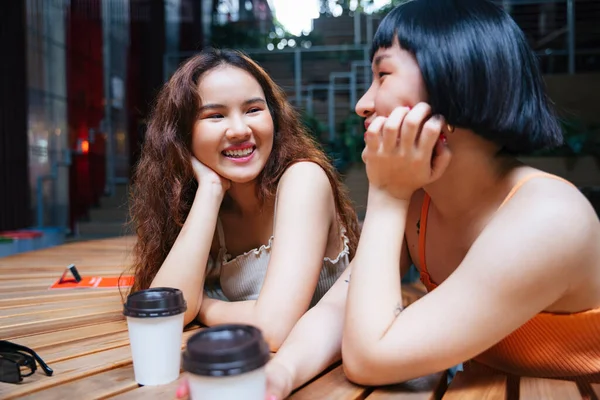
[{"x": 478, "y": 69}]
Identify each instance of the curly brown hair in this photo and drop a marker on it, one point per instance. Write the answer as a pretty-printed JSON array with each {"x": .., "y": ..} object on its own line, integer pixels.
[{"x": 164, "y": 183}]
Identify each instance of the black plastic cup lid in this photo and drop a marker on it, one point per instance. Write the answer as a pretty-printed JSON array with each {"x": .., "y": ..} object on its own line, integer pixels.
[
  {"x": 225, "y": 350},
  {"x": 155, "y": 302}
]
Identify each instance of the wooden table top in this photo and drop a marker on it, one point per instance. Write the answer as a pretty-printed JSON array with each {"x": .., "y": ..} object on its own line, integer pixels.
[{"x": 82, "y": 335}]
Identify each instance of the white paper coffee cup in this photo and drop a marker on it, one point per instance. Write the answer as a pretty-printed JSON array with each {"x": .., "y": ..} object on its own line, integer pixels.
[
  {"x": 227, "y": 362},
  {"x": 155, "y": 324}
]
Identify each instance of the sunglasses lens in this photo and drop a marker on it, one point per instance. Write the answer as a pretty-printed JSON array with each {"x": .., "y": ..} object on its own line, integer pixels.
[{"x": 9, "y": 371}]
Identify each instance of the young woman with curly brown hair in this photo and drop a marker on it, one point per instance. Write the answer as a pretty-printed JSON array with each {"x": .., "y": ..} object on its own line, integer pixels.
[{"x": 234, "y": 202}]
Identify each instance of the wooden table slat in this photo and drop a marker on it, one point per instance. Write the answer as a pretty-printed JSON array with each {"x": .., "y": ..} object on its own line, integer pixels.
[
  {"x": 29, "y": 325},
  {"x": 99, "y": 386},
  {"x": 148, "y": 392},
  {"x": 333, "y": 385},
  {"x": 548, "y": 389},
  {"x": 427, "y": 388},
  {"x": 56, "y": 338},
  {"x": 18, "y": 284},
  {"x": 389, "y": 394},
  {"x": 84, "y": 347},
  {"x": 55, "y": 296},
  {"x": 477, "y": 386},
  {"x": 7, "y": 314},
  {"x": 58, "y": 313}
]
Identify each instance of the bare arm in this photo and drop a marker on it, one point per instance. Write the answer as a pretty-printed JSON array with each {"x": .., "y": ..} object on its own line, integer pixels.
[
  {"x": 520, "y": 265},
  {"x": 375, "y": 292},
  {"x": 313, "y": 344},
  {"x": 305, "y": 211},
  {"x": 185, "y": 266}
]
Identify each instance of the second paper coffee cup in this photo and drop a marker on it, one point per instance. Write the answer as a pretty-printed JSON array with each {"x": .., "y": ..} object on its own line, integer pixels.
[
  {"x": 155, "y": 324},
  {"x": 227, "y": 362}
]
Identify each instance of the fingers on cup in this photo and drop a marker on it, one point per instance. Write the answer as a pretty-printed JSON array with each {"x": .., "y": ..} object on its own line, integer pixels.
[
  {"x": 391, "y": 128},
  {"x": 412, "y": 124}
]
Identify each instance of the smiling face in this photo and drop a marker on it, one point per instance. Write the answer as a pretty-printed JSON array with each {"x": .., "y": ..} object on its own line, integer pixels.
[
  {"x": 233, "y": 134},
  {"x": 397, "y": 81}
]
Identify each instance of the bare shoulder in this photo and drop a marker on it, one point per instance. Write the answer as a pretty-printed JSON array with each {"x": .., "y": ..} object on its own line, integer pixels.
[
  {"x": 558, "y": 211},
  {"x": 306, "y": 174},
  {"x": 560, "y": 200}
]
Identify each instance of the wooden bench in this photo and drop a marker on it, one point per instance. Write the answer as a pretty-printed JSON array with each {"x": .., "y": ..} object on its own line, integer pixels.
[{"x": 83, "y": 336}]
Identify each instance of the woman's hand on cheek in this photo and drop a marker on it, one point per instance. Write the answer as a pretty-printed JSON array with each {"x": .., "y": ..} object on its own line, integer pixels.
[
  {"x": 206, "y": 177},
  {"x": 404, "y": 151}
]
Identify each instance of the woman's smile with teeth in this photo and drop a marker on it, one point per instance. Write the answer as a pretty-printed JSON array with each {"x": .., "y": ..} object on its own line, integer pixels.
[{"x": 239, "y": 153}]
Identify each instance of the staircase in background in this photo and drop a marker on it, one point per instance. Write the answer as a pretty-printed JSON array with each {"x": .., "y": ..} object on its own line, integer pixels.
[{"x": 108, "y": 219}]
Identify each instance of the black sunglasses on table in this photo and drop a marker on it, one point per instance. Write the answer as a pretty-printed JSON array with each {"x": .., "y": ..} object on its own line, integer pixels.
[{"x": 17, "y": 362}]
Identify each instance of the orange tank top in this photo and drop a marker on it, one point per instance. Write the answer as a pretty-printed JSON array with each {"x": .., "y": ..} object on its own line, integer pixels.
[{"x": 549, "y": 345}]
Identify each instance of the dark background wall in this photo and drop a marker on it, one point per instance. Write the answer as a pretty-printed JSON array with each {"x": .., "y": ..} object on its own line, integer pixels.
[{"x": 14, "y": 173}]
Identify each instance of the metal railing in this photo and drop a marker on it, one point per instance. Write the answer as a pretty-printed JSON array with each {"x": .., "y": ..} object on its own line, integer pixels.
[{"x": 342, "y": 83}]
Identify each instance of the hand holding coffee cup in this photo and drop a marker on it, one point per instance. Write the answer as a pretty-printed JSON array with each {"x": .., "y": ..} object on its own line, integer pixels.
[{"x": 155, "y": 324}]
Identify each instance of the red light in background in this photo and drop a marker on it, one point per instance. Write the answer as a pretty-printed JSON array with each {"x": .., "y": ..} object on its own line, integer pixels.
[{"x": 83, "y": 146}]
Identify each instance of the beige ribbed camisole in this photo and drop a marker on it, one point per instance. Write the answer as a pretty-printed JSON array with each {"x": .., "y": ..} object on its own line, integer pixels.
[{"x": 242, "y": 277}]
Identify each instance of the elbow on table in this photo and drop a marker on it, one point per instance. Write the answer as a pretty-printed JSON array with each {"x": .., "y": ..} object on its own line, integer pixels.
[
  {"x": 358, "y": 370},
  {"x": 367, "y": 374},
  {"x": 366, "y": 368},
  {"x": 357, "y": 363}
]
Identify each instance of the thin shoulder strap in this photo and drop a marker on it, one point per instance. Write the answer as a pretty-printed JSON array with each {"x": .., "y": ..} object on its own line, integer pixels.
[
  {"x": 526, "y": 179},
  {"x": 221, "y": 235},
  {"x": 275, "y": 209},
  {"x": 422, "y": 232}
]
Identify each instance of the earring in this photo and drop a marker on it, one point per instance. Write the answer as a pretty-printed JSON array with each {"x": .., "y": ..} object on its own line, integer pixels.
[{"x": 450, "y": 128}]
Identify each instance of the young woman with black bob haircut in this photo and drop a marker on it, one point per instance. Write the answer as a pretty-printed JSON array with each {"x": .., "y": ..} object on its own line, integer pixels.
[{"x": 509, "y": 254}]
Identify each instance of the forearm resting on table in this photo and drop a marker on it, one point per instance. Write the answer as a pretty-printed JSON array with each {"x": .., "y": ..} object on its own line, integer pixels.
[
  {"x": 374, "y": 296},
  {"x": 185, "y": 266},
  {"x": 314, "y": 343},
  {"x": 274, "y": 327}
]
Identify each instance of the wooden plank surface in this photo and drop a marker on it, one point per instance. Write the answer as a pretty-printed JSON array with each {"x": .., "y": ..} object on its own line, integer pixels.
[
  {"x": 477, "y": 386},
  {"x": 72, "y": 335},
  {"x": 8, "y": 313},
  {"x": 428, "y": 388},
  {"x": 32, "y": 324},
  {"x": 103, "y": 385},
  {"x": 73, "y": 370},
  {"x": 82, "y": 335},
  {"x": 45, "y": 296},
  {"x": 548, "y": 389},
  {"x": 333, "y": 385},
  {"x": 149, "y": 392}
]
